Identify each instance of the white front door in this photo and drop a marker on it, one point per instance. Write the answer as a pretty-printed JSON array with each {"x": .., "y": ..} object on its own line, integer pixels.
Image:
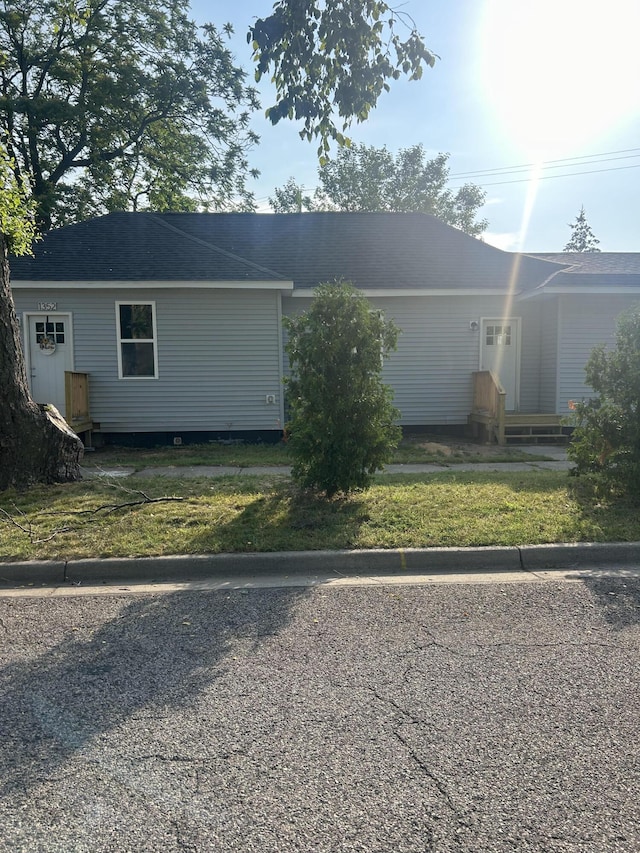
[
  {"x": 50, "y": 354},
  {"x": 500, "y": 353}
]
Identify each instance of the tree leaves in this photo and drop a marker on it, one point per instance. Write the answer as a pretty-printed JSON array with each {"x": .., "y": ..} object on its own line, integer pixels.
[
  {"x": 366, "y": 178},
  {"x": 127, "y": 103},
  {"x": 582, "y": 237},
  {"x": 334, "y": 55},
  {"x": 17, "y": 210},
  {"x": 122, "y": 104},
  {"x": 606, "y": 439}
]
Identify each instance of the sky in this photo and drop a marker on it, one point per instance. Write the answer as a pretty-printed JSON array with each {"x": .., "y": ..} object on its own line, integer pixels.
[{"x": 537, "y": 101}]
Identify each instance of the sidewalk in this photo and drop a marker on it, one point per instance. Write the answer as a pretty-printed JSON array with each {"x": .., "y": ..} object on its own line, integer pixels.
[{"x": 559, "y": 462}]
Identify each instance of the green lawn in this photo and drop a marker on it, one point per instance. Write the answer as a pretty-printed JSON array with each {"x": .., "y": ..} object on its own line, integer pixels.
[{"x": 266, "y": 514}]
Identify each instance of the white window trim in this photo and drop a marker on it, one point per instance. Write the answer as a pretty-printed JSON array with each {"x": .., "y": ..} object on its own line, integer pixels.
[{"x": 120, "y": 340}]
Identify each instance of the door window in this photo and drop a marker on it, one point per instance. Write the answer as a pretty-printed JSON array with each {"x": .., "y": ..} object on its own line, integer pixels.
[
  {"x": 499, "y": 336},
  {"x": 51, "y": 331}
]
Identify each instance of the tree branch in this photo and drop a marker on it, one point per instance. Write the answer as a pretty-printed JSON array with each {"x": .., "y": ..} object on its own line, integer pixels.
[{"x": 28, "y": 527}]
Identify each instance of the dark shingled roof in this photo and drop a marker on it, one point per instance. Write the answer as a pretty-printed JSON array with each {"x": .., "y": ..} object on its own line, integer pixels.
[
  {"x": 131, "y": 246},
  {"x": 373, "y": 250},
  {"x": 595, "y": 269},
  {"x": 594, "y": 263}
]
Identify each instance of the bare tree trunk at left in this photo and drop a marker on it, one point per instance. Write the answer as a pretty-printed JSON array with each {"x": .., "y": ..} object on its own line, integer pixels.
[{"x": 36, "y": 445}]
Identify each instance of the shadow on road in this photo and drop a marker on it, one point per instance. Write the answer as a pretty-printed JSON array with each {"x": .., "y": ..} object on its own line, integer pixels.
[
  {"x": 618, "y": 598},
  {"x": 150, "y": 653}
]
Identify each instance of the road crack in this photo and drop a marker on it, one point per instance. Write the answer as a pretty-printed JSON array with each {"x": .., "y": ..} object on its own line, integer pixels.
[
  {"x": 437, "y": 782},
  {"x": 158, "y": 756}
]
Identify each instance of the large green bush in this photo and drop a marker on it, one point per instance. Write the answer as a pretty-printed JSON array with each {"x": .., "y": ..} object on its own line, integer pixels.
[
  {"x": 606, "y": 440},
  {"x": 341, "y": 428}
]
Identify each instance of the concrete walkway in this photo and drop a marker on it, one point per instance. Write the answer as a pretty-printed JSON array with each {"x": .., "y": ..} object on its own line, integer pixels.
[{"x": 558, "y": 462}]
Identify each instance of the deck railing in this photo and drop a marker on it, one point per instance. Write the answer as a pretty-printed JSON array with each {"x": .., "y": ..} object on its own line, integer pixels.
[
  {"x": 489, "y": 403},
  {"x": 76, "y": 398}
]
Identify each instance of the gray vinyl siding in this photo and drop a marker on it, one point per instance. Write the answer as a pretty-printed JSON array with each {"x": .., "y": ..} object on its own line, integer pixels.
[
  {"x": 549, "y": 356},
  {"x": 529, "y": 314},
  {"x": 438, "y": 353},
  {"x": 431, "y": 371},
  {"x": 218, "y": 352},
  {"x": 584, "y": 322}
]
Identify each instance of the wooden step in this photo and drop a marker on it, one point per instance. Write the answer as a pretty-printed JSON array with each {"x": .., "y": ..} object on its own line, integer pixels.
[
  {"x": 518, "y": 427},
  {"x": 531, "y": 420},
  {"x": 534, "y": 432}
]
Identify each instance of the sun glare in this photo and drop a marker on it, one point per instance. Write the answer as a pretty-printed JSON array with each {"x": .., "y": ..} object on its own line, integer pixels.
[{"x": 557, "y": 75}]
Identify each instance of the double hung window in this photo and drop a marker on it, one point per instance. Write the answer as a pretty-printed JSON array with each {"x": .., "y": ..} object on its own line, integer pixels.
[{"x": 136, "y": 325}]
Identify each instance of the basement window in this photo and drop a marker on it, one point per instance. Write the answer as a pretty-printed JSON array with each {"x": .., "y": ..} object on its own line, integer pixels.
[{"x": 136, "y": 325}]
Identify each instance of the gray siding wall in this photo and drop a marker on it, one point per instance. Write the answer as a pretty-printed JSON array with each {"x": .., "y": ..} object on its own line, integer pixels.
[
  {"x": 584, "y": 322},
  {"x": 431, "y": 371},
  {"x": 437, "y": 353},
  {"x": 219, "y": 356},
  {"x": 530, "y": 325},
  {"x": 549, "y": 356}
]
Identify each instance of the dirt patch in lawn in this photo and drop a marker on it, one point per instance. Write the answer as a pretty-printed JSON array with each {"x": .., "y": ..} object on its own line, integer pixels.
[{"x": 458, "y": 448}]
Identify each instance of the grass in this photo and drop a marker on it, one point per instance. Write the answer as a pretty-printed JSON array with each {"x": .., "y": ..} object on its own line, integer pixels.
[
  {"x": 265, "y": 514},
  {"x": 412, "y": 449}
]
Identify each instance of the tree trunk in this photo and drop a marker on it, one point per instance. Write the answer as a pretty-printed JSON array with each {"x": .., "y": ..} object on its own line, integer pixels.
[{"x": 36, "y": 445}]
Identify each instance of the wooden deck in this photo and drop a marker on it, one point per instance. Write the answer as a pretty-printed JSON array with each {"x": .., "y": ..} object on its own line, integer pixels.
[
  {"x": 491, "y": 423},
  {"x": 533, "y": 428}
]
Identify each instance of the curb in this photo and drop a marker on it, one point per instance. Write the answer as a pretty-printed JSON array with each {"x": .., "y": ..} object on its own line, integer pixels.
[
  {"x": 580, "y": 555},
  {"x": 527, "y": 558}
]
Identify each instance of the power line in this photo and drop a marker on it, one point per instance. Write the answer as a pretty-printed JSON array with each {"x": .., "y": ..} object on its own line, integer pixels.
[
  {"x": 547, "y": 177},
  {"x": 564, "y": 160}
]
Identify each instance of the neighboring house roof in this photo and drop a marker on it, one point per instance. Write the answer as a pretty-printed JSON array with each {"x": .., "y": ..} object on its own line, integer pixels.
[
  {"x": 375, "y": 251},
  {"x": 588, "y": 271},
  {"x": 594, "y": 263}
]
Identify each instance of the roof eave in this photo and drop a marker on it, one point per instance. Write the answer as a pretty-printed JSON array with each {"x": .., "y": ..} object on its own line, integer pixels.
[{"x": 150, "y": 284}]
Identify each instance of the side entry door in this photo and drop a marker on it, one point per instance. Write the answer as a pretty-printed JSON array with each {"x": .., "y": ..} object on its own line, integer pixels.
[{"x": 500, "y": 353}]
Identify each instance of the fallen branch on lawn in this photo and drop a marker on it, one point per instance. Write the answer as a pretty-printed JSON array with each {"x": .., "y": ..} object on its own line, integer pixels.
[{"x": 28, "y": 528}]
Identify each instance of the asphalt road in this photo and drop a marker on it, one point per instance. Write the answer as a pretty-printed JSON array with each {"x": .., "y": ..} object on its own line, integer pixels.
[{"x": 448, "y": 717}]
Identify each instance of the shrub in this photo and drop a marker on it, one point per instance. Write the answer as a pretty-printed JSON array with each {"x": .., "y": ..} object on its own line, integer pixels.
[
  {"x": 606, "y": 440},
  {"x": 341, "y": 428}
]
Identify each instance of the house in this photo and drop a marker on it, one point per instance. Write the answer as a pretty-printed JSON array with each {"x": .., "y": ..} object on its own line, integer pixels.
[{"x": 175, "y": 320}]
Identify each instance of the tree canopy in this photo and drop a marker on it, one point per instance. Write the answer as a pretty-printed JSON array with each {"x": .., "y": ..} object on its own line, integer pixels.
[
  {"x": 128, "y": 104},
  {"x": 106, "y": 102},
  {"x": 582, "y": 237},
  {"x": 366, "y": 178},
  {"x": 291, "y": 198},
  {"x": 334, "y": 55},
  {"x": 17, "y": 209}
]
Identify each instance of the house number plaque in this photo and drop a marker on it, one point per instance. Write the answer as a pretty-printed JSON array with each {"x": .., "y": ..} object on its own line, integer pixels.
[{"x": 47, "y": 306}]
